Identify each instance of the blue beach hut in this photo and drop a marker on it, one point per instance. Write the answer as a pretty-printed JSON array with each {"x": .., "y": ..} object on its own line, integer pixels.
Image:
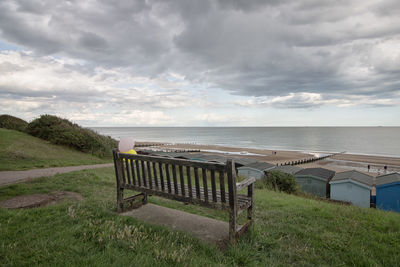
[{"x": 388, "y": 192}]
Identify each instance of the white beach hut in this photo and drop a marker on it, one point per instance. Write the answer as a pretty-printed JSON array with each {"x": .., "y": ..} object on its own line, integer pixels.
[{"x": 352, "y": 186}]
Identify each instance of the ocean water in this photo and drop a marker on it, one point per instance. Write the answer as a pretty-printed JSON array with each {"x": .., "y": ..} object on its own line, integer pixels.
[{"x": 383, "y": 141}]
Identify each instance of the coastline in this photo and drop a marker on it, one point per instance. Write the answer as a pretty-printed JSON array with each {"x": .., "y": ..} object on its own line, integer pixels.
[{"x": 338, "y": 163}]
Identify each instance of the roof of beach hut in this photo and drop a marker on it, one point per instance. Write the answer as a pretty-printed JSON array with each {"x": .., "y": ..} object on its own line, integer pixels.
[
  {"x": 243, "y": 160},
  {"x": 180, "y": 155},
  {"x": 317, "y": 172},
  {"x": 388, "y": 178},
  {"x": 355, "y": 176},
  {"x": 287, "y": 169},
  {"x": 261, "y": 166},
  {"x": 160, "y": 154}
]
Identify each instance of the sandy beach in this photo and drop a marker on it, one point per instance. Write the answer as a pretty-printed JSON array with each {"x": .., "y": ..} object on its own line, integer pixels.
[{"x": 338, "y": 163}]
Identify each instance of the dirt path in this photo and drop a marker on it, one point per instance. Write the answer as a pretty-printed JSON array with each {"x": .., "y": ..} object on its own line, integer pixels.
[
  {"x": 207, "y": 229},
  {"x": 12, "y": 177}
]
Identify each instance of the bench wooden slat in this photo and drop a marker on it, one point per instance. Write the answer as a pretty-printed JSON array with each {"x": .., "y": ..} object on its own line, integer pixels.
[
  {"x": 128, "y": 174},
  {"x": 138, "y": 173},
  {"x": 168, "y": 178},
  {"x": 174, "y": 176},
  {"x": 123, "y": 173},
  {"x": 189, "y": 180},
  {"x": 149, "y": 174},
  {"x": 131, "y": 163},
  {"x": 196, "y": 181},
  {"x": 144, "y": 175},
  {"x": 155, "y": 174},
  {"x": 161, "y": 176},
  {"x": 205, "y": 186},
  {"x": 182, "y": 178},
  {"x": 213, "y": 186},
  {"x": 222, "y": 185}
]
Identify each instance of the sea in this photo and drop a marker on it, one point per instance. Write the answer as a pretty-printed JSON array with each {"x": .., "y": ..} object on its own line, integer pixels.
[{"x": 382, "y": 141}]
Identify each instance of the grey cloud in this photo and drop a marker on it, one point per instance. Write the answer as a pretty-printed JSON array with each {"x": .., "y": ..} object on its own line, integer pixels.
[
  {"x": 78, "y": 95},
  {"x": 92, "y": 41},
  {"x": 251, "y": 48}
]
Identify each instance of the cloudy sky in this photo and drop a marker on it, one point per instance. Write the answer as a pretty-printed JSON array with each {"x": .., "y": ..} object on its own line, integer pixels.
[{"x": 202, "y": 63}]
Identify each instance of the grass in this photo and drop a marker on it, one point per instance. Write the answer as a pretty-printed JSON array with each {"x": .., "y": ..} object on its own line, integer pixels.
[
  {"x": 20, "y": 151},
  {"x": 288, "y": 230}
]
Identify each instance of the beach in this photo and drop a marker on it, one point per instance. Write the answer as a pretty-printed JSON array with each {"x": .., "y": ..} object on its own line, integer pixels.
[{"x": 337, "y": 163}]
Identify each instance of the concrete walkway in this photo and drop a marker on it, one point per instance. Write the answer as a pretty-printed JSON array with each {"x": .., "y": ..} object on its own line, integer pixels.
[
  {"x": 206, "y": 229},
  {"x": 12, "y": 177}
]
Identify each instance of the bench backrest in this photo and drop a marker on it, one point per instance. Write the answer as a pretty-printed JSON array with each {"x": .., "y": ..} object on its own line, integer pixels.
[{"x": 185, "y": 180}]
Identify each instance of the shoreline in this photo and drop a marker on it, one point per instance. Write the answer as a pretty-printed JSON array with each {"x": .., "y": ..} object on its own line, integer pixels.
[
  {"x": 305, "y": 151},
  {"x": 338, "y": 163}
]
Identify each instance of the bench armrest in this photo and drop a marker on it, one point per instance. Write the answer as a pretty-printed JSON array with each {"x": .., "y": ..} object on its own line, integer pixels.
[{"x": 246, "y": 182}]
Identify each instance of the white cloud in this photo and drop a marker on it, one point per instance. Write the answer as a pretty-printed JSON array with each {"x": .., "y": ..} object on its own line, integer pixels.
[
  {"x": 313, "y": 100},
  {"x": 49, "y": 85}
]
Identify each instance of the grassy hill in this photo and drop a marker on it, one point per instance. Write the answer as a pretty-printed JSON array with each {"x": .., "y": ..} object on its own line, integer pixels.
[
  {"x": 12, "y": 123},
  {"x": 63, "y": 132},
  {"x": 288, "y": 230},
  {"x": 20, "y": 151}
]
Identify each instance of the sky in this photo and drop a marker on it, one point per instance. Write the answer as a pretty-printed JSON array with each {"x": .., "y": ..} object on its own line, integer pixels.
[{"x": 202, "y": 63}]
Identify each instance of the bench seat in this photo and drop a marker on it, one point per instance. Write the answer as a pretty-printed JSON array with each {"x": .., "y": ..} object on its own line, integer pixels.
[{"x": 243, "y": 201}]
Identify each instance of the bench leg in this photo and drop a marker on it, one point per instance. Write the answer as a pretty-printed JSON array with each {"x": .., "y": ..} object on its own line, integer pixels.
[
  {"x": 232, "y": 226},
  {"x": 144, "y": 200},
  {"x": 250, "y": 193},
  {"x": 120, "y": 199}
]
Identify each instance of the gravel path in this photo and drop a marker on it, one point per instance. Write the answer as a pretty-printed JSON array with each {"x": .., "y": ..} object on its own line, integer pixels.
[{"x": 13, "y": 177}]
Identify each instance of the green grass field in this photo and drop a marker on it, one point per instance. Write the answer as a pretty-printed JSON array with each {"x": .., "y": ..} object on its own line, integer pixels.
[
  {"x": 20, "y": 151},
  {"x": 288, "y": 230}
]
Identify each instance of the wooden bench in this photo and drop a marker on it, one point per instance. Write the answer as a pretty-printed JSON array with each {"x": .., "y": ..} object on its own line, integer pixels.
[{"x": 208, "y": 184}]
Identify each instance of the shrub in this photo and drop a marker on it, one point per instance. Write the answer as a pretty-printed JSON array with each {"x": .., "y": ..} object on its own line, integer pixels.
[
  {"x": 63, "y": 132},
  {"x": 279, "y": 181},
  {"x": 12, "y": 123}
]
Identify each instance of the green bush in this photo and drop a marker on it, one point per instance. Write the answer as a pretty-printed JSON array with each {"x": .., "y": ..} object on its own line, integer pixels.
[
  {"x": 12, "y": 123},
  {"x": 278, "y": 181},
  {"x": 63, "y": 132}
]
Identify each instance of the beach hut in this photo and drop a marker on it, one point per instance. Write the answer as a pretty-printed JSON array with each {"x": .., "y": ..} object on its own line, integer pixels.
[
  {"x": 352, "y": 186},
  {"x": 214, "y": 158},
  {"x": 180, "y": 155},
  {"x": 196, "y": 156},
  {"x": 256, "y": 169},
  {"x": 388, "y": 192},
  {"x": 160, "y": 154},
  {"x": 242, "y": 161},
  {"x": 288, "y": 169},
  {"x": 315, "y": 181}
]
